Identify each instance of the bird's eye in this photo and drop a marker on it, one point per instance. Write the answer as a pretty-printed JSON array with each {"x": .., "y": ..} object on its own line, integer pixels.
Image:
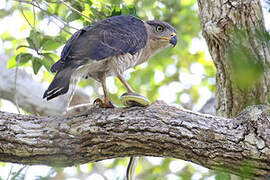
[{"x": 159, "y": 28}]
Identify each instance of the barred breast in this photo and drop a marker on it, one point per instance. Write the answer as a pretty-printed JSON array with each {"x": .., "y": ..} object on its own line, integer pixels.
[
  {"x": 108, "y": 67},
  {"x": 121, "y": 63}
]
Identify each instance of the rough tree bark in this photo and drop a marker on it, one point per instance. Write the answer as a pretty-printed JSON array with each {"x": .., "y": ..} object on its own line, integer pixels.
[
  {"x": 228, "y": 144},
  {"x": 232, "y": 145},
  {"x": 218, "y": 20}
]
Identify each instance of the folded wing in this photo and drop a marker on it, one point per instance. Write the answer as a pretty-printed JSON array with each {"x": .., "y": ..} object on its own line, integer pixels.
[{"x": 110, "y": 37}]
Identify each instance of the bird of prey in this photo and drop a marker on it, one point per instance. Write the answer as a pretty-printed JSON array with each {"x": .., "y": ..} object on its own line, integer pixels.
[{"x": 108, "y": 48}]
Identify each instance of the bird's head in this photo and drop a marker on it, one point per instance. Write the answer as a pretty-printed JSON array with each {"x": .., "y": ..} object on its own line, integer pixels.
[{"x": 161, "y": 34}]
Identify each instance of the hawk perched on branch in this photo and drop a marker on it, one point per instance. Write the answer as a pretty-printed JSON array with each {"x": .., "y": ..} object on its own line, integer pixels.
[{"x": 108, "y": 48}]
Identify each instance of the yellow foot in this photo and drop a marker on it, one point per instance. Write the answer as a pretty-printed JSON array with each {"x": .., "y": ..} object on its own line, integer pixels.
[
  {"x": 102, "y": 104},
  {"x": 133, "y": 99}
]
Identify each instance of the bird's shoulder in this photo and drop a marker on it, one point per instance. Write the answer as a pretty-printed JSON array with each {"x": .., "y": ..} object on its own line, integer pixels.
[
  {"x": 110, "y": 37},
  {"x": 72, "y": 39},
  {"x": 65, "y": 59}
]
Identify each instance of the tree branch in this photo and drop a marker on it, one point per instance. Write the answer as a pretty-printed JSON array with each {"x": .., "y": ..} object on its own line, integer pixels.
[
  {"x": 91, "y": 20},
  {"x": 231, "y": 145},
  {"x": 50, "y": 14}
]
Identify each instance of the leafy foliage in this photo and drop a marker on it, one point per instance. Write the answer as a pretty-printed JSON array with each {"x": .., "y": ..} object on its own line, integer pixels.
[{"x": 48, "y": 24}]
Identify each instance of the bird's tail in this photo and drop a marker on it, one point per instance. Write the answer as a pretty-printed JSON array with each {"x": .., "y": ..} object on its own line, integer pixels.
[{"x": 60, "y": 84}]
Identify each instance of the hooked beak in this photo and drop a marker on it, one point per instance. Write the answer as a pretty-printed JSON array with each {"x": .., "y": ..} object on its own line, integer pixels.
[{"x": 172, "y": 40}]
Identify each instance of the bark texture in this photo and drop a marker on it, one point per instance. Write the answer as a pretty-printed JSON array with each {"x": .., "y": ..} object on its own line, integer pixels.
[
  {"x": 239, "y": 145},
  {"x": 232, "y": 145},
  {"x": 29, "y": 92},
  {"x": 219, "y": 19}
]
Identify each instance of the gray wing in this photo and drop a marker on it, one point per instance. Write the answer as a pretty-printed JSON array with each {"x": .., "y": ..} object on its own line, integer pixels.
[
  {"x": 112, "y": 36},
  {"x": 66, "y": 50}
]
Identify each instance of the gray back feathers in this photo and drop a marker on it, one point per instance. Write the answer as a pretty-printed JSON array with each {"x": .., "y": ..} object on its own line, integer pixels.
[{"x": 110, "y": 37}]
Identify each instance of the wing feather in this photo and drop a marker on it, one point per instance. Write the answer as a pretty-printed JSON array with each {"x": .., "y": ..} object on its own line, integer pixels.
[{"x": 110, "y": 37}]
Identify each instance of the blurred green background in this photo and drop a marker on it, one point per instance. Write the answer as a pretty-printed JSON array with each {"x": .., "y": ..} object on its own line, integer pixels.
[{"x": 33, "y": 33}]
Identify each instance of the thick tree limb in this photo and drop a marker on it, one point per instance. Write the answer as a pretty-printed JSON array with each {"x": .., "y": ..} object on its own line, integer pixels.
[
  {"x": 231, "y": 145},
  {"x": 29, "y": 92}
]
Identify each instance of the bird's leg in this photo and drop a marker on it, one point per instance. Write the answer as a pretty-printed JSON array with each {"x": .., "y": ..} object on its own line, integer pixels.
[
  {"x": 74, "y": 83},
  {"x": 107, "y": 102},
  {"x": 74, "y": 87},
  {"x": 131, "y": 98},
  {"x": 123, "y": 81}
]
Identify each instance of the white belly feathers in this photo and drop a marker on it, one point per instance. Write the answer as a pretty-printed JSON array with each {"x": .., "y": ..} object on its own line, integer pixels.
[
  {"x": 121, "y": 63},
  {"x": 110, "y": 66}
]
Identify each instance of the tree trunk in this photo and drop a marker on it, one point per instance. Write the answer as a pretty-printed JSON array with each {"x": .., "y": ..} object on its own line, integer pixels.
[
  {"x": 239, "y": 145},
  {"x": 219, "y": 20},
  {"x": 233, "y": 145}
]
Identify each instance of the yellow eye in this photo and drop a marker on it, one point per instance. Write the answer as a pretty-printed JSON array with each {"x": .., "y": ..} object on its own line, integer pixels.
[{"x": 159, "y": 28}]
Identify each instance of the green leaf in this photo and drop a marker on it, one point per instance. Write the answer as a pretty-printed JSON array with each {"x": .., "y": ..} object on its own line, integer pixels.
[
  {"x": 60, "y": 39},
  {"x": 36, "y": 63},
  {"x": 11, "y": 62},
  {"x": 29, "y": 16},
  {"x": 125, "y": 10},
  {"x": 22, "y": 46},
  {"x": 132, "y": 10},
  {"x": 35, "y": 38},
  {"x": 47, "y": 61},
  {"x": 30, "y": 42},
  {"x": 50, "y": 45},
  {"x": 73, "y": 16},
  {"x": 51, "y": 9},
  {"x": 116, "y": 11},
  {"x": 78, "y": 5},
  {"x": 89, "y": 2},
  {"x": 53, "y": 56},
  {"x": 21, "y": 59}
]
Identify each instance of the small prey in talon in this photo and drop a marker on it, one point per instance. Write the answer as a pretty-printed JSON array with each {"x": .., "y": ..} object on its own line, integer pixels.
[
  {"x": 134, "y": 99},
  {"x": 108, "y": 48}
]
